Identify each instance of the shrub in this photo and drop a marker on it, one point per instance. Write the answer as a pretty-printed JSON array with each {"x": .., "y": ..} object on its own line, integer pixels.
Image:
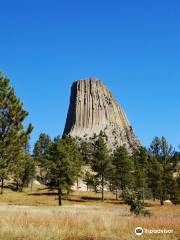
[{"x": 136, "y": 205}]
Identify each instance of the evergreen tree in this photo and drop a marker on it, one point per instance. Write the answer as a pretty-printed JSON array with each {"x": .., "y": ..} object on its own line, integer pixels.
[
  {"x": 140, "y": 157},
  {"x": 137, "y": 206},
  {"x": 102, "y": 163},
  {"x": 175, "y": 187},
  {"x": 176, "y": 163},
  {"x": 41, "y": 149},
  {"x": 154, "y": 176},
  {"x": 175, "y": 191},
  {"x": 90, "y": 181},
  {"x": 13, "y": 137},
  {"x": 64, "y": 164},
  {"x": 163, "y": 153},
  {"x": 87, "y": 152},
  {"x": 40, "y": 153},
  {"x": 123, "y": 169},
  {"x": 23, "y": 170}
]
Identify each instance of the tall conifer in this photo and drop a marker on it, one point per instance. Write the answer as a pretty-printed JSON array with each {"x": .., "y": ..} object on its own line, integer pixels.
[{"x": 13, "y": 137}]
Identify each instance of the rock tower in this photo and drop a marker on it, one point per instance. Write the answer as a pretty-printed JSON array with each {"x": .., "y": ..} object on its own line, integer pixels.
[{"x": 93, "y": 109}]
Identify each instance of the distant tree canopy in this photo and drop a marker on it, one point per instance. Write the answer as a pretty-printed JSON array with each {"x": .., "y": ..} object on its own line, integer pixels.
[
  {"x": 148, "y": 173},
  {"x": 161, "y": 168},
  {"x": 41, "y": 147}
]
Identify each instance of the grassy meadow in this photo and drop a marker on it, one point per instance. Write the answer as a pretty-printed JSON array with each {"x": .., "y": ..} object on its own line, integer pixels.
[{"x": 34, "y": 215}]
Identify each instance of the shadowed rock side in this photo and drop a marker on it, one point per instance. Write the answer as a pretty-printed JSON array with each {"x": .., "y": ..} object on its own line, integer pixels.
[{"x": 92, "y": 109}]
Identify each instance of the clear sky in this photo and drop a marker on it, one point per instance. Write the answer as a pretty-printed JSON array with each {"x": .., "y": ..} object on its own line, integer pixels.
[{"x": 133, "y": 46}]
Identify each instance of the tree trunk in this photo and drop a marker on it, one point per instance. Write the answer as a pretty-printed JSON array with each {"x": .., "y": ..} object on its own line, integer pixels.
[
  {"x": 162, "y": 197},
  {"x": 143, "y": 195},
  {"x": 31, "y": 185},
  {"x": 21, "y": 188},
  {"x": 116, "y": 194},
  {"x": 162, "y": 201},
  {"x": 17, "y": 186},
  {"x": 154, "y": 197},
  {"x": 59, "y": 195},
  {"x": 102, "y": 185},
  {"x": 2, "y": 185},
  {"x": 77, "y": 182}
]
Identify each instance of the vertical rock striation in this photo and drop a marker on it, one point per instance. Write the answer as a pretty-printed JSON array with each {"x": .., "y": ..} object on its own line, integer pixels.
[{"x": 93, "y": 109}]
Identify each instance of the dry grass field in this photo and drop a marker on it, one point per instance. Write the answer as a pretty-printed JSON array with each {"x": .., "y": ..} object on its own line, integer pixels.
[{"x": 36, "y": 216}]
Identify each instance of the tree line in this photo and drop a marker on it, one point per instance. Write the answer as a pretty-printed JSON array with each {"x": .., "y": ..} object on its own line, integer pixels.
[
  {"x": 58, "y": 163},
  {"x": 151, "y": 173}
]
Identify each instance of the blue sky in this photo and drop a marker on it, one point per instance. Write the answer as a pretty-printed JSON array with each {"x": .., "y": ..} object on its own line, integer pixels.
[{"x": 133, "y": 46}]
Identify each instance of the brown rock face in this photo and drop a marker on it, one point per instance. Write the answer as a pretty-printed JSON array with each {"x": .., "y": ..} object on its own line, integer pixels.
[{"x": 93, "y": 109}]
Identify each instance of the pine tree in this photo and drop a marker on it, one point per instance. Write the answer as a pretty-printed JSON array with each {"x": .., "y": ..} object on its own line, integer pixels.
[
  {"x": 162, "y": 153},
  {"x": 87, "y": 152},
  {"x": 13, "y": 137},
  {"x": 137, "y": 206},
  {"x": 176, "y": 163},
  {"x": 102, "y": 163},
  {"x": 40, "y": 152},
  {"x": 140, "y": 157},
  {"x": 23, "y": 170},
  {"x": 175, "y": 191},
  {"x": 89, "y": 180},
  {"x": 123, "y": 169},
  {"x": 64, "y": 165},
  {"x": 154, "y": 176}
]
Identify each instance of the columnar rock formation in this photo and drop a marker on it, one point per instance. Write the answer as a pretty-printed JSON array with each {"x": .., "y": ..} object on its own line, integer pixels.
[{"x": 93, "y": 109}]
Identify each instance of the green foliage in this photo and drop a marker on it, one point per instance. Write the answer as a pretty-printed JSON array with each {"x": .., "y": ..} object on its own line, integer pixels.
[
  {"x": 161, "y": 168},
  {"x": 136, "y": 205},
  {"x": 175, "y": 191},
  {"x": 122, "y": 174},
  {"x": 154, "y": 176},
  {"x": 90, "y": 181},
  {"x": 41, "y": 149},
  {"x": 40, "y": 153},
  {"x": 64, "y": 164},
  {"x": 86, "y": 152},
  {"x": 176, "y": 163},
  {"x": 102, "y": 163},
  {"x": 140, "y": 158},
  {"x": 23, "y": 170},
  {"x": 13, "y": 137}
]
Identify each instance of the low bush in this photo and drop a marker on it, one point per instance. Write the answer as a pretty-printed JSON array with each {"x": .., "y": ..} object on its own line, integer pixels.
[{"x": 136, "y": 206}]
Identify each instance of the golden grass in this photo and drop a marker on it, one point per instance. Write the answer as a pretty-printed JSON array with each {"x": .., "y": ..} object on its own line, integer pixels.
[
  {"x": 35, "y": 217},
  {"x": 77, "y": 222}
]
